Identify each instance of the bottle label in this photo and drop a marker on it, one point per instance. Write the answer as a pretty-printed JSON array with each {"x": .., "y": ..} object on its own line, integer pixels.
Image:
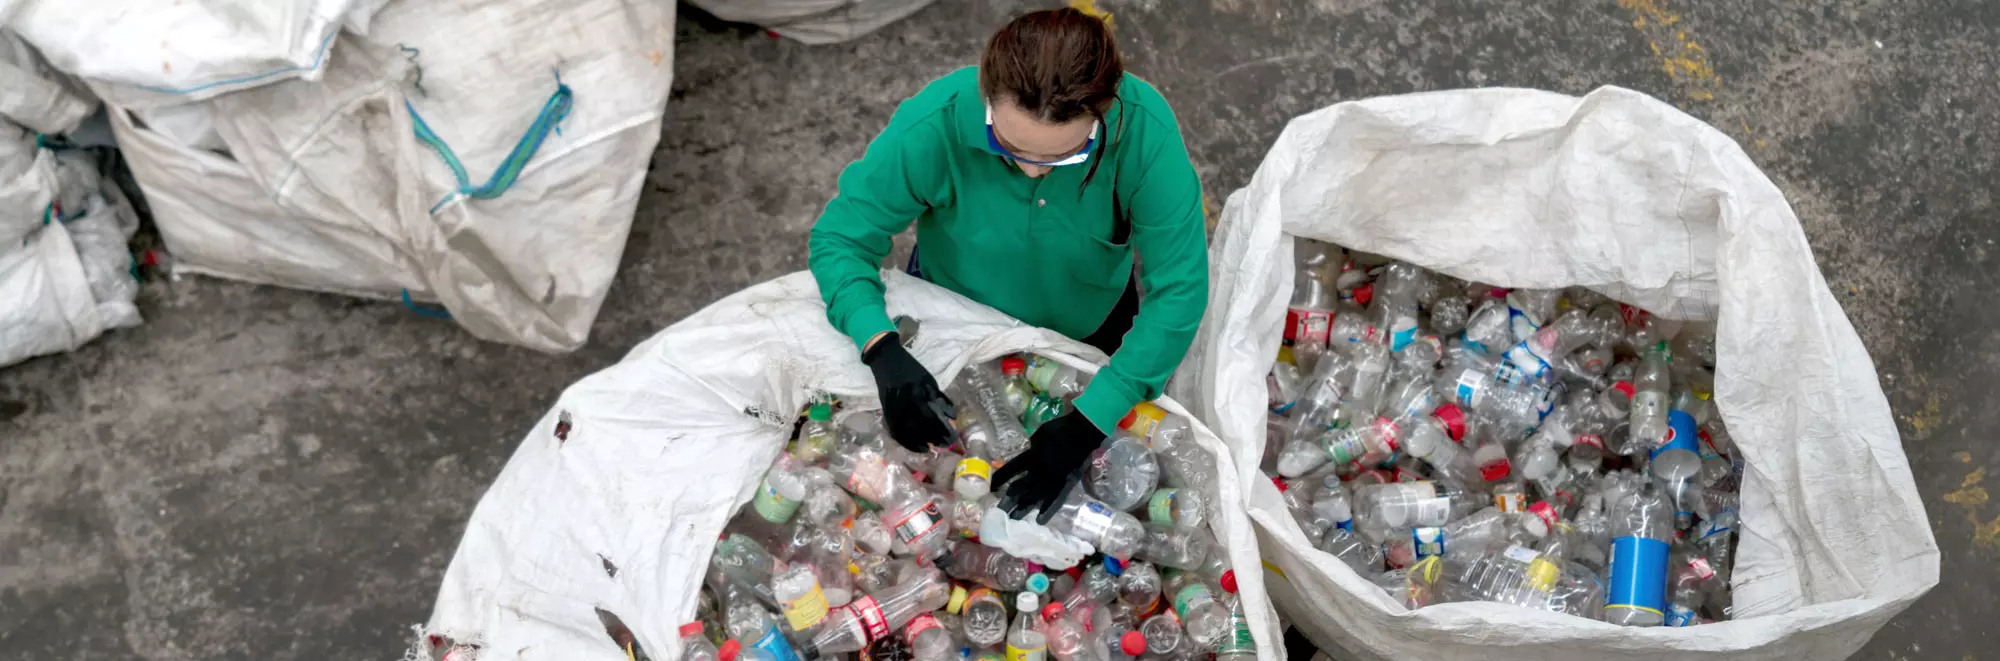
[
  {"x": 1638, "y": 575},
  {"x": 918, "y": 522},
  {"x": 917, "y": 627},
  {"x": 1420, "y": 405},
  {"x": 1312, "y": 326},
  {"x": 1160, "y": 508},
  {"x": 1511, "y": 503},
  {"x": 1345, "y": 445},
  {"x": 1092, "y": 520},
  {"x": 1142, "y": 420},
  {"x": 1427, "y": 541},
  {"x": 774, "y": 642},
  {"x": 1699, "y": 566},
  {"x": 1591, "y": 440},
  {"x": 807, "y": 610},
  {"x": 869, "y": 469},
  {"x": 1527, "y": 366},
  {"x": 1524, "y": 326},
  {"x": 772, "y": 506},
  {"x": 974, "y": 467},
  {"x": 1239, "y": 641},
  {"x": 1681, "y": 616},
  {"x": 868, "y": 614},
  {"x": 1680, "y": 434},
  {"x": 1402, "y": 331},
  {"x": 1038, "y": 653},
  {"x": 1192, "y": 596},
  {"x": 1521, "y": 554},
  {"x": 1471, "y": 388}
]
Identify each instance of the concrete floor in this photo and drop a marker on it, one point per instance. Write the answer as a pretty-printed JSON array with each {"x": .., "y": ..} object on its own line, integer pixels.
[{"x": 271, "y": 474}]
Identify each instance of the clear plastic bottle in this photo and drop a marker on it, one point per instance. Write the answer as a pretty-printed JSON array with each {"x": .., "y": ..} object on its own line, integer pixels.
[
  {"x": 1006, "y": 437},
  {"x": 1487, "y": 329},
  {"x": 1340, "y": 446},
  {"x": 870, "y": 618},
  {"x": 1111, "y": 532},
  {"x": 1014, "y": 386},
  {"x": 1054, "y": 378},
  {"x": 985, "y": 618},
  {"x": 1641, "y": 526},
  {"x": 1514, "y": 574},
  {"x": 1181, "y": 508},
  {"x": 695, "y": 645},
  {"x": 1179, "y": 548},
  {"x": 1432, "y": 438},
  {"x": 1371, "y": 377},
  {"x": 799, "y": 596},
  {"x": 1068, "y": 638},
  {"x": 1402, "y": 505},
  {"x": 916, "y": 517},
  {"x": 1123, "y": 473},
  {"x": 1240, "y": 644},
  {"x": 1537, "y": 355},
  {"x": 1139, "y": 587},
  {"x": 1204, "y": 618},
  {"x": 1649, "y": 401},
  {"x": 1331, "y": 505},
  {"x": 990, "y": 567},
  {"x": 930, "y": 640},
  {"x": 748, "y": 621},
  {"x": 1309, "y": 317},
  {"x": 745, "y": 563},
  {"x": 1025, "y": 640},
  {"x": 1164, "y": 634},
  {"x": 1319, "y": 402}
]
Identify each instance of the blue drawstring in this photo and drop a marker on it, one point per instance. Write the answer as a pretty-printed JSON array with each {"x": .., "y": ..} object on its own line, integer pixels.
[
  {"x": 427, "y": 312},
  {"x": 549, "y": 120}
]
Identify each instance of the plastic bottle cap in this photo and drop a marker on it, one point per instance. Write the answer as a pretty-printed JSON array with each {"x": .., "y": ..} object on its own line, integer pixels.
[
  {"x": 1012, "y": 365},
  {"x": 1495, "y": 471},
  {"x": 730, "y": 649},
  {"x": 1229, "y": 581},
  {"x": 690, "y": 629},
  {"x": 1453, "y": 418},
  {"x": 820, "y": 412},
  {"x": 1113, "y": 567},
  {"x": 1037, "y": 583},
  {"x": 1052, "y": 611},
  {"x": 1280, "y": 484},
  {"x": 1542, "y": 574},
  {"x": 1132, "y": 643},
  {"x": 1625, "y": 387},
  {"x": 957, "y": 602},
  {"x": 1363, "y": 293},
  {"x": 1026, "y": 602},
  {"x": 1034, "y": 567}
]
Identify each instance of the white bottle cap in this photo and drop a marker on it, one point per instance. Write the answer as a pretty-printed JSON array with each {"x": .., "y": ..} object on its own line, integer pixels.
[{"x": 1026, "y": 603}]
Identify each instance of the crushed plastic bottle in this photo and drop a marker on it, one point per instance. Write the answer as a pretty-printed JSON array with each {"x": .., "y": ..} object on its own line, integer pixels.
[
  {"x": 1110, "y": 531},
  {"x": 873, "y": 617},
  {"x": 1123, "y": 473}
]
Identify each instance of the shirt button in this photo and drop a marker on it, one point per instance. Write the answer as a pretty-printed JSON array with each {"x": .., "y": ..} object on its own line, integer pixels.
[{"x": 1041, "y": 203}]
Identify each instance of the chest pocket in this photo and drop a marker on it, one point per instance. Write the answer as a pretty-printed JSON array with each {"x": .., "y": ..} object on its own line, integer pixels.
[{"x": 1088, "y": 252}]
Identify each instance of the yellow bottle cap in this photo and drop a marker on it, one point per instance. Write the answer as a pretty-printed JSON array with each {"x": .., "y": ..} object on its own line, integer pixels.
[
  {"x": 957, "y": 600},
  {"x": 1285, "y": 355}
]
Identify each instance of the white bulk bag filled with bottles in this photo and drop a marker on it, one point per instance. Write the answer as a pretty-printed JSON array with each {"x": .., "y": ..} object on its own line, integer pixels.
[
  {"x": 1623, "y": 194},
  {"x": 549, "y": 111},
  {"x": 145, "y": 53},
  {"x": 814, "y": 21},
  {"x": 639, "y": 466}
]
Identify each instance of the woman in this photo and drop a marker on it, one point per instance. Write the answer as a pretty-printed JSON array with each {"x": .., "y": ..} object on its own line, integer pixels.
[{"x": 1033, "y": 178}]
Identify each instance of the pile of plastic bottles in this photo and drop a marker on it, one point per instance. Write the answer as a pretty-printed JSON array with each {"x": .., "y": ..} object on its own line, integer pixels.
[
  {"x": 1550, "y": 449},
  {"x": 854, "y": 545}
]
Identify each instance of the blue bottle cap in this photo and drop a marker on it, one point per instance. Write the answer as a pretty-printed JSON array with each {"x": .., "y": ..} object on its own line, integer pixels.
[
  {"x": 1038, "y": 583},
  {"x": 1113, "y": 566}
]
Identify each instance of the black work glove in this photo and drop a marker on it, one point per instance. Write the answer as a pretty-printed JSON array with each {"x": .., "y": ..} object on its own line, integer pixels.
[
  {"x": 916, "y": 410},
  {"x": 1051, "y": 467}
]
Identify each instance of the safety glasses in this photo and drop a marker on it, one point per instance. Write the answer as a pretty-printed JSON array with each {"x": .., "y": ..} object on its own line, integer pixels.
[{"x": 1082, "y": 155}]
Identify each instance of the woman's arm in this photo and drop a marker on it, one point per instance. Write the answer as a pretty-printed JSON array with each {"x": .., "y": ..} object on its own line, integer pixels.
[
  {"x": 900, "y": 175},
  {"x": 1171, "y": 239}
]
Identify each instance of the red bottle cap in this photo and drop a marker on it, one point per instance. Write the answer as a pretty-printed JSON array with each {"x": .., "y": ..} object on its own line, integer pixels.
[
  {"x": 1013, "y": 365},
  {"x": 1363, "y": 293},
  {"x": 1625, "y": 387},
  {"x": 1453, "y": 418},
  {"x": 730, "y": 649},
  {"x": 690, "y": 629},
  {"x": 1053, "y": 611},
  {"x": 1132, "y": 643},
  {"x": 1280, "y": 483},
  {"x": 1229, "y": 581},
  {"x": 1496, "y": 471}
]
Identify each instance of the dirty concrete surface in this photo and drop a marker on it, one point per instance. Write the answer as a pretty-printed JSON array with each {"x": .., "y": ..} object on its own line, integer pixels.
[{"x": 272, "y": 474}]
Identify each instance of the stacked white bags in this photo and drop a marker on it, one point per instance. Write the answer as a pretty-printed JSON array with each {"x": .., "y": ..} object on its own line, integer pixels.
[
  {"x": 485, "y": 155},
  {"x": 814, "y": 21},
  {"x": 639, "y": 466},
  {"x": 65, "y": 274},
  {"x": 1625, "y": 195}
]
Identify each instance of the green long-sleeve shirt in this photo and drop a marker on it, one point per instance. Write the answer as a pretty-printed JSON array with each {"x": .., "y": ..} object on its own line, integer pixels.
[{"x": 1036, "y": 248}]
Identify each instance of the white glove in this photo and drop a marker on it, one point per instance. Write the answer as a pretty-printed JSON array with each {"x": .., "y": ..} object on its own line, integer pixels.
[{"x": 1034, "y": 542}]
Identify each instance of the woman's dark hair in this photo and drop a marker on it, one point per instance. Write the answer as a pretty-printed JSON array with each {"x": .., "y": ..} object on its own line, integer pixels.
[{"x": 1056, "y": 64}]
